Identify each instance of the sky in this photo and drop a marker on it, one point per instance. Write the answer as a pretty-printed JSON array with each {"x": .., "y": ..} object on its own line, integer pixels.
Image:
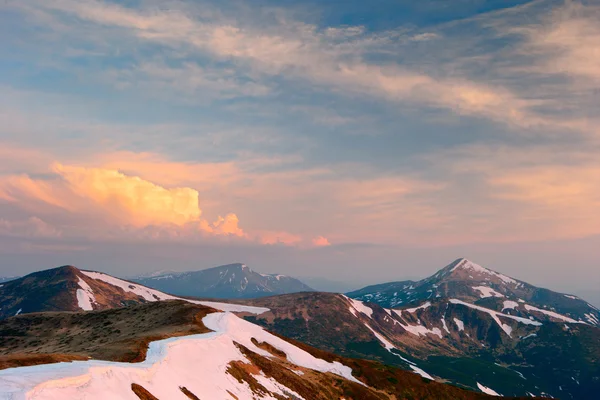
[{"x": 355, "y": 142}]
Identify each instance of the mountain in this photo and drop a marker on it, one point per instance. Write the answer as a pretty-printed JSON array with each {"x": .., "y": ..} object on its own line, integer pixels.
[
  {"x": 466, "y": 325},
  {"x": 233, "y": 281},
  {"x": 70, "y": 289},
  {"x": 523, "y": 349},
  {"x": 7, "y": 278},
  {"x": 467, "y": 281},
  {"x": 177, "y": 350}
]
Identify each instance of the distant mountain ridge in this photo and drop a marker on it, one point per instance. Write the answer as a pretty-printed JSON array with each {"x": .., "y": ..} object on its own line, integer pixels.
[
  {"x": 232, "y": 281},
  {"x": 68, "y": 288}
]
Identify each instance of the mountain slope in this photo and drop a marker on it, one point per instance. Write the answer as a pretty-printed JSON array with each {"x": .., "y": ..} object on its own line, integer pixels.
[
  {"x": 70, "y": 289},
  {"x": 475, "y": 284},
  {"x": 236, "y": 360},
  {"x": 224, "y": 282},
  {"x": 448, "y": 339}
]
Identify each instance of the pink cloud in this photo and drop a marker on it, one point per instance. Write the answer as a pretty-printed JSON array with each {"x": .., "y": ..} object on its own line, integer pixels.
[{"x": 320, "y": 241}]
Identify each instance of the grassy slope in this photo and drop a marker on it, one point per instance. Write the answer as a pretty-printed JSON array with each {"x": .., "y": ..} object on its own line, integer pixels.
[{"x": 117, "y": 335}]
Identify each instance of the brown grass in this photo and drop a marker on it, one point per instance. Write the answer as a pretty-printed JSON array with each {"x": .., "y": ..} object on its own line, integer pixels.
[
  {"x": 189, "y": 394},
  {"x": 23, "y": 360},
  {"x": 142, "y": 393},
  {"x": 268, "y": 347},
  {"x": 113, "y": 335}
]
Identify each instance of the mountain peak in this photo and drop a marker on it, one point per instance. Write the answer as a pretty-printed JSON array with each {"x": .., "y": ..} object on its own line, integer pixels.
[
  {"x": 235, "y": 280},
  {"x": 465, "y": 269}
]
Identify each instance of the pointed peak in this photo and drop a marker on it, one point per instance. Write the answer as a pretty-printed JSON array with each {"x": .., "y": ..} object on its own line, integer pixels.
[
  {"x": 464, "y": 263},
  {"x": 464, "y": 268}
]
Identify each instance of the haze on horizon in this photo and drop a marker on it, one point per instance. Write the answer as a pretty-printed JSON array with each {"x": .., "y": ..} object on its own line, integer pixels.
[{"x": 359, "y": 143}]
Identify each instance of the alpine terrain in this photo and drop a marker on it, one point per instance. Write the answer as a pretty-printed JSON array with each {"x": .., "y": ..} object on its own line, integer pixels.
[
  {"x": 224, "y": 282},
  {"x": 467, "y": 325},
  {"x": 89, "y": 345}
]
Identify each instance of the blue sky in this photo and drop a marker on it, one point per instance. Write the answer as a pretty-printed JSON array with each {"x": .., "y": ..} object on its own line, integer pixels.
[{"x": 302, "y": 137}]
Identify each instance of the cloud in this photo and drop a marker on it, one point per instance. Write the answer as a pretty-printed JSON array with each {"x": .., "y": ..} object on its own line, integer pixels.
[
  {"x": 506, "y": 193},
  {"x": 567, "y": 41},
  {"x": 105, "y": 203},
  {"x": 320, "y": 241},
  {"x": 32, "y": 227},
  {"x": 139, "y": 202},
  {"x": 329, "y": 57},
  {"x": 115, "y": 198},
  {"x": 562, "y": 199},
  {"x": 189, "y": 80}
]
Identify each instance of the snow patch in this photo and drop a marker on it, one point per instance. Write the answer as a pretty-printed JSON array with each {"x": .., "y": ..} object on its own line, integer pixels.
[
  {"x": 529, "y": 336},
  {"x": 459, "y": 324},
  {"x": 487, "y": 390},
  {"x": 386, "y": 343},
  {"x": 445, "y": 326},
  {"x": 552, "y": 314},
  {"x": 418, "y": 330},
  {"x": 487, "y": 292},
  {"x": 592, "y": 319},
  {"x": 360, "y": 307},
  {"x": 421, "y": 307},
  {"x": 509, "y": 305},
  {"x": 568, "y": 296},
  {"x": 85, "y": 295},
  {"x": 421, "y": 372}
]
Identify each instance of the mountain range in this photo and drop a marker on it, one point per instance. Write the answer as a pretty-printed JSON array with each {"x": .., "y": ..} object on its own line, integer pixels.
[
  {"x": 102, "y": 337},
  {"x": 467, "y": 326},
  {"x": 233, "y": 281}
]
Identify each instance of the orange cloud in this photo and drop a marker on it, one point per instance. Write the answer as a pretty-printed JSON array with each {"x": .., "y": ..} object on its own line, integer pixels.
[
  {"x": 141, "y": 202},
  {"x": 321, "y": 241},
  {"x": 226, "y": 226},
  {"x": 134, "y": 205}
]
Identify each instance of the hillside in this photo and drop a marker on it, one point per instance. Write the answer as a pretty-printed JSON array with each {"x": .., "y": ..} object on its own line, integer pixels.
[
  {"x": 447, "y": 339},
  {"x": 233, "y": 359},
  {"x": 225, "y": 282}
]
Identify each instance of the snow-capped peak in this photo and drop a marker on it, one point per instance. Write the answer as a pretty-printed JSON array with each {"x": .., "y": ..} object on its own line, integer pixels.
[{"x": 476, "y": 269}]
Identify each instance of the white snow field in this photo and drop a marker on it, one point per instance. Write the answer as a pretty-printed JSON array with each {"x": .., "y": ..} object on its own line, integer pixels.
[
  {"x": 154, "y": 295},
  {"x": 197, "y": 362}
]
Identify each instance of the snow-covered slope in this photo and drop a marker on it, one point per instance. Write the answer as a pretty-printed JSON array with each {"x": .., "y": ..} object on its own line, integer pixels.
[
  {"x": 227, "y": 281},
  {"x": 199, "y": 363},
  {"x": 513, "y": 350},
  {"x": 237, "y": 360}
]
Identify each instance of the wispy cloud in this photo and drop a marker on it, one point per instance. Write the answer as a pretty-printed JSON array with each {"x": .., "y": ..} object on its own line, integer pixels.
[{"x": 330, "y": 57}]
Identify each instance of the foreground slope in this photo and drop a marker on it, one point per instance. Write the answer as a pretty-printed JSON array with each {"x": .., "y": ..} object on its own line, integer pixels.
[
  {"x": 225, "y": 282},
  {"x": 235, "y": 360},
  {"x": 70, "y": 289}
]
